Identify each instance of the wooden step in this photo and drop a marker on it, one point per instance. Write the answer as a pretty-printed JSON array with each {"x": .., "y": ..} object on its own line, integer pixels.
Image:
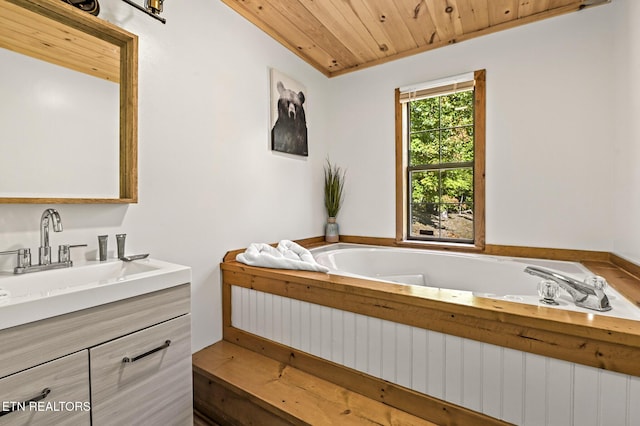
[{"x": 233, "y": 385}]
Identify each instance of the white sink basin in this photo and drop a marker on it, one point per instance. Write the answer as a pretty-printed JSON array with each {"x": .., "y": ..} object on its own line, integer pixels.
[{"x": 39, "y": 295}]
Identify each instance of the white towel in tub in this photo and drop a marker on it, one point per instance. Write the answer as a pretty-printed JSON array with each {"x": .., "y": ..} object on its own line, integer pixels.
[{"x": 288, "y": 255}]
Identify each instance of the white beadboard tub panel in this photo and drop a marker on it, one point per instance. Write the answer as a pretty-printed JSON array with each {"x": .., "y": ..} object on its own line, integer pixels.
[{"x": 518, "y": 387}]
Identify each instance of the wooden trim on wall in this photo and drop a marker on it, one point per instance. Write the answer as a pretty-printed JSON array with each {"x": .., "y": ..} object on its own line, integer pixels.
[
  {"x": 546, "y": 253},
  {"x": 478, "y": 165},
  {"x": 601, "y": 342},
  {"x": 479, "y": 157},
  {"x": 30, "y": 200},
  {"x": 490, "y": 249},
  {"x": 399, "y": 169},
  {"x": 129, "y": 120},
  {"x": 65, "y": 17},
  {"x": 412, "y": 402},
  {"x": 625, "y": 264}
]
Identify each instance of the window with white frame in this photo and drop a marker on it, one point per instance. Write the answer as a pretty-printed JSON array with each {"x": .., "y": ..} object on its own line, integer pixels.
[{"x": 441, "y": 151}]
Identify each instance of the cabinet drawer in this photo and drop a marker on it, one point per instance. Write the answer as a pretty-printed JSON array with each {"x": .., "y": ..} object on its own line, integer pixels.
[
  {"x": 153, "y": 386},
  {"x": 37, "y": 342},
  {"x": 65, "y": 403}
]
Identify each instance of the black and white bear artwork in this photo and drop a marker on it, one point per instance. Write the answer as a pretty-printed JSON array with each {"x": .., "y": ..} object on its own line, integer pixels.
[{"x": 289, "y": 133}]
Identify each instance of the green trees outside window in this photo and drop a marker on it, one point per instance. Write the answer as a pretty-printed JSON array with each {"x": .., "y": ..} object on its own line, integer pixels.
[{"x": 440, "y": 167}]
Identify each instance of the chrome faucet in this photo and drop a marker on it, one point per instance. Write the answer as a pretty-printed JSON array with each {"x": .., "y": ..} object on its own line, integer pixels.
[
  {"x": 49, "y": 215},
  {"x": 583, "y": 295}
]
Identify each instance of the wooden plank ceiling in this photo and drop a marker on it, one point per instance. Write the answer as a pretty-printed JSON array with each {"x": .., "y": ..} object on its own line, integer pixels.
[{"x": 339, "y": 36}]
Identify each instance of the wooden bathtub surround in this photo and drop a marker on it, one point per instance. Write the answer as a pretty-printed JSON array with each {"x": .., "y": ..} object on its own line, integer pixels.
[
  {"x": 602, "y": 342},
  {"x": 597, "y": 341},
  {"x": 234, "y": 385}
]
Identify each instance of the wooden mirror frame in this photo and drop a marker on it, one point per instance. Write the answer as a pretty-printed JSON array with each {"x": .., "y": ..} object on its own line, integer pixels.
[{"x": 72, "y": 22}]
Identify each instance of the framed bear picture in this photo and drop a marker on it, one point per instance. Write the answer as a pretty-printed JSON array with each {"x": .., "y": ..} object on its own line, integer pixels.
[{"x": 288, "y": 119}]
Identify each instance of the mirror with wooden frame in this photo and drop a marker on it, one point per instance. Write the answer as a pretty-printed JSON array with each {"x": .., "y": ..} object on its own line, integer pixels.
[{"x": 98, "y": 54}]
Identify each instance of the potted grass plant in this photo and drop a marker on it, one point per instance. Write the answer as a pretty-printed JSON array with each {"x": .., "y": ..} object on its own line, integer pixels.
[{"x": 333, "y": 197}]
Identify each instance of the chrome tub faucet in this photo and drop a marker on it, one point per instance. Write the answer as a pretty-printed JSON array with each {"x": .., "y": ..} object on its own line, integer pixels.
[{"x": 583, "y": 295}]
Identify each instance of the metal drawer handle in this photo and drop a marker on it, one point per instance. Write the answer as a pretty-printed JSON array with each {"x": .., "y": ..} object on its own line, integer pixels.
[
  {"x": 14, "y": 407},
  {"x": 167, "y": 343}
]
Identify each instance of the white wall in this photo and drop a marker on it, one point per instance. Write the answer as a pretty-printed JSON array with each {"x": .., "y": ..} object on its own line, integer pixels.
[
  {"x": 209, "y": 184},
  {"x": 208, "y": 180},
  {"x": 549, "y": 131},
  {"x": 626, "y": 202}
]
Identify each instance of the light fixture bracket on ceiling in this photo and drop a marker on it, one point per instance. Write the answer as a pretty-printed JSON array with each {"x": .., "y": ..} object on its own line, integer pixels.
[{"x": 152, "y": 8}]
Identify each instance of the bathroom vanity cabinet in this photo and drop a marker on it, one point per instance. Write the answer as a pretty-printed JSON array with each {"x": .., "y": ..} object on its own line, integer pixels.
[
  {"x": 63, "y": 379},
  {"x": 126, "y": 362}
]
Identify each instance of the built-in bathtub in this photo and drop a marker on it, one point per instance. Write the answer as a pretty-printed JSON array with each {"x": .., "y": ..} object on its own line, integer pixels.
[
  {"x": 496, "y": 277},
  {"x": 526, "y": 364}
]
